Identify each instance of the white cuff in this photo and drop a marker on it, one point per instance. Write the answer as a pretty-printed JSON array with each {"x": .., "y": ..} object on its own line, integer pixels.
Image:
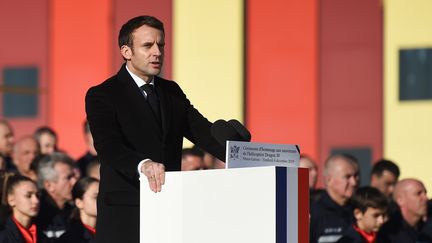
[{"x": 139, "y": 167}]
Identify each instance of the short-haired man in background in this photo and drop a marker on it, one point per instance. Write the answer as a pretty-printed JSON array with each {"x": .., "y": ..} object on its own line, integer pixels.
[
  {"x": 331, "y": 214},
  {"x": 407, "y": 225},
  {"x": 192, "y": 159},
  {"x": 56, "y": 179},
  {"x": 384, "y": 175},
  {"x": 25, "y": 151}
]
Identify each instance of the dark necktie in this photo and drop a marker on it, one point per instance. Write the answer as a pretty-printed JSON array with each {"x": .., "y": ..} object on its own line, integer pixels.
[{"x": 152, "y": 99}]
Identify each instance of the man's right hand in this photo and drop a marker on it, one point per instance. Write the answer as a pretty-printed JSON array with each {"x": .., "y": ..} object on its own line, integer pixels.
[{"x": 155, "y": 173}]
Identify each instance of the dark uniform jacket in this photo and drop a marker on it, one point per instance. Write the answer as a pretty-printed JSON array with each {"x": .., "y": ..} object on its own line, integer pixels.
[
  {"x": 52, "y": 220},
  {"x": 329, "y": 220},
  {"x": 397, "y": 230},
  {"x": 125, "y": 132},
  {"x": 76, "y": 233},
  {"x": 11, "y": 234},
  {"x": 4, "y": 215}
]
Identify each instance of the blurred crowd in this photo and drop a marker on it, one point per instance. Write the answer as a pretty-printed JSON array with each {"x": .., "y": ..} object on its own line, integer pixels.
[
  {"x": 387, "y": 210},
  {"x": 47, "y": 196}
]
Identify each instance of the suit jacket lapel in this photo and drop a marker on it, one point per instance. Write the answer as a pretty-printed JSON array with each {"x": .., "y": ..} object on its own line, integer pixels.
[{"x": 137, "y": 100}]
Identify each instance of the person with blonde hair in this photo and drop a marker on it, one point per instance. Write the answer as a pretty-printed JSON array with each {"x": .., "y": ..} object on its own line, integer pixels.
[{"x": 47, "y": 139}]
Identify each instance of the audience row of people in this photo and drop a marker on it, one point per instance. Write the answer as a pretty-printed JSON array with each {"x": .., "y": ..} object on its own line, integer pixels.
[
  {"x": 387, "y": 210},
  {"x": 46, "y": 196},
  {"x": 28, "y": 216}
]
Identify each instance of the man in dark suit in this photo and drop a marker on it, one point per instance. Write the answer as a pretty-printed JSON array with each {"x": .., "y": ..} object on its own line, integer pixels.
[{"x": 138, "y": 121}]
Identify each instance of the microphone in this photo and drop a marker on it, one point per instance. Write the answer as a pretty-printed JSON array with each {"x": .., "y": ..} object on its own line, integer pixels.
[
  {"x": 232, "y": 130},
  {"x": 242, "y": 131}
]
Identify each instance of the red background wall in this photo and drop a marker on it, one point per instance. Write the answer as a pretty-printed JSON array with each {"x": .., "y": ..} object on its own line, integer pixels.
[
  {"x": 24, "y": 26},
  {"x": 350, "y": 75},
  {"x": 313, "y": 69}
]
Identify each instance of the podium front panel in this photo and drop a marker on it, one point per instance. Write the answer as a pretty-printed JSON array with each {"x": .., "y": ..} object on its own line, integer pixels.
[{"x": 229, "y": 205}]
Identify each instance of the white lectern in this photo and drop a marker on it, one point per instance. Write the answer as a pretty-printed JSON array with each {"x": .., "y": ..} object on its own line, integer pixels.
[{"x": 253, "y": 205}]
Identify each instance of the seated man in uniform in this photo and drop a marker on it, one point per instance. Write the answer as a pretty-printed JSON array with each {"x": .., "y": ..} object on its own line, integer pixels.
[
  {"x": 331, "y": 214},
  {"x": 408, "y": 223}
]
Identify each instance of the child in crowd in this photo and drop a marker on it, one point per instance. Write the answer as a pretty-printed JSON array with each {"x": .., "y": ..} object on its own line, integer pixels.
[
  {"x": 370, "y": 207},
  {"x": 22, "y": 198},
  {"x": 83, "y": 224}
]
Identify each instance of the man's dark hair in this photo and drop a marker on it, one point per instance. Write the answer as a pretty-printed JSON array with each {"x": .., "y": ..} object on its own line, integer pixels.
[
  {"x": 78, "y": 190},
  {"x": 44, "y": 130},
  {"x": 381, "y": 165},
  {"x": 125, "y": 35},
  {"x": 194, "y": 151},
  {"x": 81, "y": 186},
  {"x": 368, "y": 197}
]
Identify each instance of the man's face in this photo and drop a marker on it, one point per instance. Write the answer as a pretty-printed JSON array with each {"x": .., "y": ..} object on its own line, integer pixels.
[
  {"x": 61, "y": 189},
  {"x": 6, "y": 139},
  {"x": 191, "y": 162},
  {"x": 384, "y": 183},
  {"x": 414, "y": 199},
  {"x": 47, "y": 143},
  {"x": 371, "y": 220},
  {"x": 342, "y": 181},
  {"x": 145, "y": 57},
  {"x": 24, "y": 154}
]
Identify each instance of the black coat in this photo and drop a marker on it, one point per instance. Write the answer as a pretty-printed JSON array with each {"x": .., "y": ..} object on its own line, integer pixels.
[
  {"x": 397, "y": 230},
  {"x": 125, "y": 132},
  {"x": 4, "y": 215},
  {"x": 329, "y": 220},
  {"x": 11, "y": 234},
  {"x": 76, "y": 233},
  {"x": 52, "y": 220}
]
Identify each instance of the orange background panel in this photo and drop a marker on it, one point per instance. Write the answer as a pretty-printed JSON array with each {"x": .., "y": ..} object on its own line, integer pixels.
[
  {"x": 281, "y": 72},
  {"x": 80, "y": 41}
]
